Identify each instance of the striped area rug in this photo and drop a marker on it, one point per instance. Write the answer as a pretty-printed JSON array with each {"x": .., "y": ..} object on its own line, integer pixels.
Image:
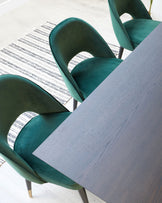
[{"x": 31, "y": 57}]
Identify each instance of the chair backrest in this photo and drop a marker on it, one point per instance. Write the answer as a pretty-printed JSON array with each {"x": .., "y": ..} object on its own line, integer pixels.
[
  {"x": 71, "y": 37},
  {"x": 117, "y": 8},
  {"x": 18, "y": 95}
]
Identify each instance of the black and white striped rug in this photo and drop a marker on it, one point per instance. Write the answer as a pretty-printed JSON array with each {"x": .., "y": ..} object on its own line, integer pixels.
[{"x": 31, "y": 57}]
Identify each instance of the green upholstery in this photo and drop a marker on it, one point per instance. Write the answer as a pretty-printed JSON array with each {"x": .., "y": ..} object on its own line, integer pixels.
[
  {"x": 19, "y": 95},
  {"x": 71, "y": 37},
  {"x": 131, "y": 33},
  {"x": 134, "y": 28},
  {"x": 86, "y": 76}
]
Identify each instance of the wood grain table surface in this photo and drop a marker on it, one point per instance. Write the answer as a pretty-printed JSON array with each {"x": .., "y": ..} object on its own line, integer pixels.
[{"x": 112, "y": 144}]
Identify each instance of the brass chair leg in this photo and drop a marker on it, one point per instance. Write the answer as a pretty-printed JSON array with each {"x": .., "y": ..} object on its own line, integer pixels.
[
  {"x": 83, "y": 195},
  {"x": 75, "y": 102},
  {"x": 120, "y": 52},
  {"x": 150, "y": 7},
  {"x": 28, "y": 184}
]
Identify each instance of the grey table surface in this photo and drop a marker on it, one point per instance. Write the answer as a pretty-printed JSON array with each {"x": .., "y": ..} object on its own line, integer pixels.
[{"x": 112, "y": 144}]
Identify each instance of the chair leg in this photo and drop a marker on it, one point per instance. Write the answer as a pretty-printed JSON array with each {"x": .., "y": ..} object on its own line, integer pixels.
[
  {"x": 28, "y": 184},
  {"x": 120, "y": 52},
  {"x": 75, "y": 102},
  {"x": 83, "y": 195}
]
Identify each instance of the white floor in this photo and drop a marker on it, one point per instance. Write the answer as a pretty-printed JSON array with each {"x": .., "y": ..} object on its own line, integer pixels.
[
  {"x": 18, "y": 19},
  {"x": 31, "y": 13},
  {"x": 13, "y": 190}
]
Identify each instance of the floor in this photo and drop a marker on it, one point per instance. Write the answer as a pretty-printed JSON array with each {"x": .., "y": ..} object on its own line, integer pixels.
[
  {"x": 17, "y": 18},
  {"x": 30, "y": 14},
  {"x": 13, "y": 190}
]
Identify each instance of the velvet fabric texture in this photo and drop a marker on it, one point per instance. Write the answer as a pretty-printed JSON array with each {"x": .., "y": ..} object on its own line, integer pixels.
[
  {"x": 139, "y": 29},
  {"x": 89, "y": 78},
  {"x": 19, "y": 95},
  {"x": 131, "y": 33},
  {"x": 71, "y": 37},
  {"x": 31, "y": 136}
]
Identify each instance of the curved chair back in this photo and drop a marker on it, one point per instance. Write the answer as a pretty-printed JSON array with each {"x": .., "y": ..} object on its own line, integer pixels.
[
  {"x": 18, "y": 95},
  {"x": 71, "y": 37},
  {"x": 117, "y": 8}
]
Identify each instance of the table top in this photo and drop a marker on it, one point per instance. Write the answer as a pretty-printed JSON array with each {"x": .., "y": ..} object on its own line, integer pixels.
[{"x": 112, "y": 144}]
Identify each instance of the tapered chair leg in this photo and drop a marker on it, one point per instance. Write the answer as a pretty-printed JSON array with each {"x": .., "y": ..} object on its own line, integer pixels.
[
  {"x": 28, "y": 184},
  {"x": 83, "y": 195},
  {"x": 120, "y": 52},
  {"x": 75, "y": 102}
]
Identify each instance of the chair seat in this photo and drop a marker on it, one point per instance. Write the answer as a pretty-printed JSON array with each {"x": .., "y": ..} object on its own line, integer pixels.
[
  {"x": 31, "y": 136},
  {"x": 91, "y": 72},
  {"x": 139, "y": 29}
]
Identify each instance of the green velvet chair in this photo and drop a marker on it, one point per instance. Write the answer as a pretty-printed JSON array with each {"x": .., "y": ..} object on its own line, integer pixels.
[
  {"x": 131, "y": 33},
  {"x": 18, "y": 95},
  {"x": 71, "y": 37}
]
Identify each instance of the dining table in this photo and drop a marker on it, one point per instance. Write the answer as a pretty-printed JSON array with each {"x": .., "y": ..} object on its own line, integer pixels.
[{"x": 112, "y": 143}]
